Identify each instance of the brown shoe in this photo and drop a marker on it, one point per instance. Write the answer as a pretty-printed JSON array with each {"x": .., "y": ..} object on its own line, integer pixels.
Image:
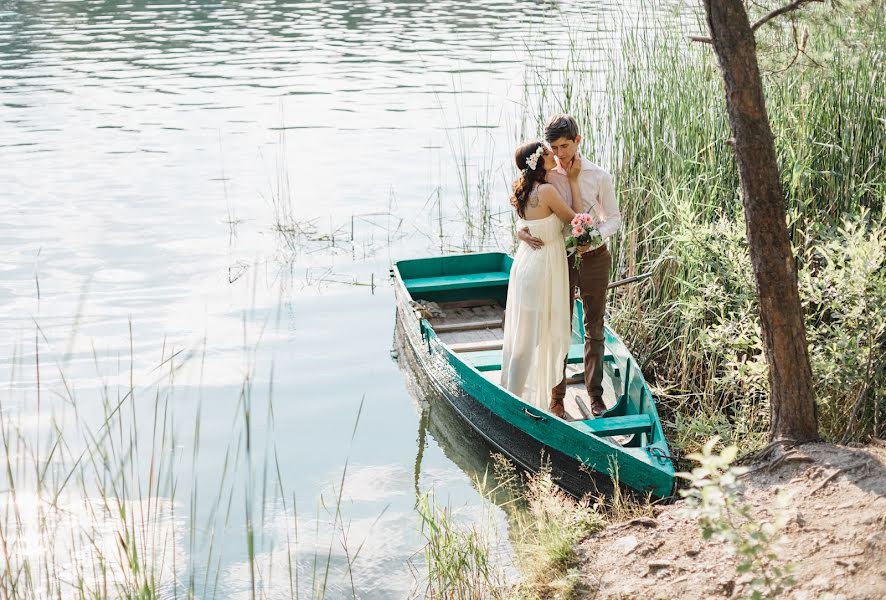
[
  {"x": 598, "y": 407},
  {"x": 557, "y": 409}
]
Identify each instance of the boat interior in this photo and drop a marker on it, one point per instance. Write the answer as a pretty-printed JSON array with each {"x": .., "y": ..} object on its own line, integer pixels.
[{"x": 474, "y": 329}]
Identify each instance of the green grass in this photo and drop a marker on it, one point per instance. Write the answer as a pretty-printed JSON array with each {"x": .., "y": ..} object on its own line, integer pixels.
[{"x": 544, "y": 527}]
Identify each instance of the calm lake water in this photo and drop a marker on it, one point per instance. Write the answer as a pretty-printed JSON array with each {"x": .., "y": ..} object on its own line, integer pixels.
[{"x": 204, "y": 199}]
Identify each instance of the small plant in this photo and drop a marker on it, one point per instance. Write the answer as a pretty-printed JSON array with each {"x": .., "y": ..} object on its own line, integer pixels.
[
  {"x": 457, "y": 556},
  {"x": 714, "y": 499},
  {"x": 621, "y": 505},
  {"x": 546, "y": 525}
]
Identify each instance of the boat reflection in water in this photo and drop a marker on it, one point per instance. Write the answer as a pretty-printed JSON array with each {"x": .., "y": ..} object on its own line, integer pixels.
[{"x": 461, "y": 444}]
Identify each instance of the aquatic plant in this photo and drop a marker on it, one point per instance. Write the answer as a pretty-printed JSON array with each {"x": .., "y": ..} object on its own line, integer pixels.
[{"x": 114, "y": 502}]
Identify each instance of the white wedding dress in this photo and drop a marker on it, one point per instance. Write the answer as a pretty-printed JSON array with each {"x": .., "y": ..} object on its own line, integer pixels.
[{"x": 537, "y": 328}]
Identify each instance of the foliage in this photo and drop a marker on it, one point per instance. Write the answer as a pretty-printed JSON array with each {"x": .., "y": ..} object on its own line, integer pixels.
[
  {"x": 545, "y": 525},
  {"x": 714, "y": 499},
  {"x": 694, "y": 325},
  {"x": 843, "y": 289},
  {"x": 842, "y": 283},
  {"x": 622, "y": 505}
]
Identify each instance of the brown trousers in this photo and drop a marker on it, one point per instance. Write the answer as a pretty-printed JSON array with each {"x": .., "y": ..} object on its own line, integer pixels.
[{"x": 592, "y": 279}]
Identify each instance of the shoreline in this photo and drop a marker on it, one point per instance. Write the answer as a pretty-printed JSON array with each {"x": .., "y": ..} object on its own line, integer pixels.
[{"x": 835, "y": 536}]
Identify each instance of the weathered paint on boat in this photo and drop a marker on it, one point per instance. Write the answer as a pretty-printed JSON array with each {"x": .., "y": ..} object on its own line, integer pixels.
[{"x": 582, "y": 457}]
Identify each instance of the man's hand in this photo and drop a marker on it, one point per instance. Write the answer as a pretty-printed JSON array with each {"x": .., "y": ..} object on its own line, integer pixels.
[{"x": 524, "y": 236}]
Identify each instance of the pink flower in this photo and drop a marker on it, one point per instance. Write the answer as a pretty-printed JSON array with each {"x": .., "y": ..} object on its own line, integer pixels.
[
  {"x": 577, "y": 230},
  {"x": 576, "y": 220}
]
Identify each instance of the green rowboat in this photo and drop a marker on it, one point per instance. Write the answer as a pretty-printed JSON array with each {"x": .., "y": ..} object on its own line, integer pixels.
[{"x": 450, "y": 312}]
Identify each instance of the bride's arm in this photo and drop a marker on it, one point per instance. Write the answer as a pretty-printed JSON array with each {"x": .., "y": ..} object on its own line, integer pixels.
[
  {"x": 573, "y": 174},
  {"x": 553, "y": 200}
]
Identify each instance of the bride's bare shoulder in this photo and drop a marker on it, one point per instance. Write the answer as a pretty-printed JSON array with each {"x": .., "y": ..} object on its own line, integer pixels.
[{"x": 547, "y": 191}]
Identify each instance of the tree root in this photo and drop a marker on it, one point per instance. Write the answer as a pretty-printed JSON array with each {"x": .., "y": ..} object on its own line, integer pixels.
[
  {"x": 766, "y": 453},
  {"x": 772, "y": 456},
  {"x": 836, "y": 473},
  {"x": 788, "y": 457},
  {"x": 644, "y": 521}
]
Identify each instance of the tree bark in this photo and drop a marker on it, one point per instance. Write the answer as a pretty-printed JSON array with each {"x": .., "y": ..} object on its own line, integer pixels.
[{"x": 792, "y": 402}]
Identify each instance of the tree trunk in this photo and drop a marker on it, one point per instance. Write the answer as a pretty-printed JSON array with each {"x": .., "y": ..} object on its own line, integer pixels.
[{"x": 792, "y": 403}]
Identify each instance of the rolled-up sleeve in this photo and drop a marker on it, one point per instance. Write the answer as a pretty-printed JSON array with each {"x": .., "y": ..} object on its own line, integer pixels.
[{"x": 607, "y": 207}]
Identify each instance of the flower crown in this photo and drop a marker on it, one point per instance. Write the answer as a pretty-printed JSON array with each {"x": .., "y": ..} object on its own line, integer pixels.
[{"x": 532, "y": 160}]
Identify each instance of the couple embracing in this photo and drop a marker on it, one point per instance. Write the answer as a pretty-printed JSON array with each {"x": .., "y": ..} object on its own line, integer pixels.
[{"x": 555, "y": 184}]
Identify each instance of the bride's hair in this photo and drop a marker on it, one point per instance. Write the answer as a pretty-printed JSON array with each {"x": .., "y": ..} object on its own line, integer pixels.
[{"x": 529, "y": 176}]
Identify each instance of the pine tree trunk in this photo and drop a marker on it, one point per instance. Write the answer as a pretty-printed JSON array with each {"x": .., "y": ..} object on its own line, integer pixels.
[{"x": 792, "y": 403}]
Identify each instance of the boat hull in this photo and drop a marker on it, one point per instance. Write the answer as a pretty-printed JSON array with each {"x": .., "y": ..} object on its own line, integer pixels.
[{"x": 581, "y": 461}]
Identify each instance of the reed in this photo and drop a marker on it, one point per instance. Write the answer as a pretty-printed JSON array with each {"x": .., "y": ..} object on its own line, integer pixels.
[
  {"x": 545, "y": 526},
  {"x": 458, "y": 557},
  {"x": 97, "y": 503},
  {"x": 623, "y": 504},
  {"x": 661, "y": 129}
]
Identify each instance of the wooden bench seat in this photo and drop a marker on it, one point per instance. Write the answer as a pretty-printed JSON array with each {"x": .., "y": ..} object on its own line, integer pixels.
[
  {"x": 476, "y": 346},
  {"x": 609, "y": 426},
  {"x": 469, "y": 326},
  {"x": 456, "y": 282},
  {"x": 497, "y": 344},
  {"x": 490, "y": 360}
]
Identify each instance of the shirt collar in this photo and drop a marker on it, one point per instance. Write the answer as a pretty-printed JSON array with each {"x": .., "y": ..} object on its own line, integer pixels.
[{"x": 559, "y": 168}]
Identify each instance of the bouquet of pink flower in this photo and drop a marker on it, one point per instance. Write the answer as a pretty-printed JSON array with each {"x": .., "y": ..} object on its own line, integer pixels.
[{"x": 584, "y": 233}]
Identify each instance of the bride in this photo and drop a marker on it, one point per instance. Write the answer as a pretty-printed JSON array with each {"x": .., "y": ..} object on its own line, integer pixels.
[{"x": 537, "y": 331}]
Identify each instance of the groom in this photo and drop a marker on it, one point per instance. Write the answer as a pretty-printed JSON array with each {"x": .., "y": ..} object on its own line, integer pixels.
[{"x": 597, "y": 198}]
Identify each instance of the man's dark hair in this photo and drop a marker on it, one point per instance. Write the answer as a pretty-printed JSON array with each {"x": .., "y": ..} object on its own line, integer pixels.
[{"x": 560, "y": 125}]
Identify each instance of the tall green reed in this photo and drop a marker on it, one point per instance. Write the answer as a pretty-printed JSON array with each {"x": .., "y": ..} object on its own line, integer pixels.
[
  {"x": 544, "y": 525},
  {"x": 659, "y": 125}
]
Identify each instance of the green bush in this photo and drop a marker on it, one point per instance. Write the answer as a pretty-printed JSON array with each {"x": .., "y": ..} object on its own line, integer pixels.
[
  {"x": 843, "y": 289},
  {"x": 842, "y": 284}
]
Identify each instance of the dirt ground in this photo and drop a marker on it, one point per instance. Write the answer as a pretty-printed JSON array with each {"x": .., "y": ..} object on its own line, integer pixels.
[{"x": 836, "y": 537}]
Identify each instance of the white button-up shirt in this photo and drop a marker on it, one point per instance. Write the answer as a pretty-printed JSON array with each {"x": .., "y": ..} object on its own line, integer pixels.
[{"x": 597, "y": 195}]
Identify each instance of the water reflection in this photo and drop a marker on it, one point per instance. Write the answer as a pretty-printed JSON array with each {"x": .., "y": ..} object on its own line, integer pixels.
[
  {"x": 126, "y": 41},
  {"x": 360, "y": 59},
  {"x": 92, "y": 542},
  {"x": 459, "y": 441}
]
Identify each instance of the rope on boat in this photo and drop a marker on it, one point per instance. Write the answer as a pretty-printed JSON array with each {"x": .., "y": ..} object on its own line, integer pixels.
[{"x": 660, "y": 454}]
